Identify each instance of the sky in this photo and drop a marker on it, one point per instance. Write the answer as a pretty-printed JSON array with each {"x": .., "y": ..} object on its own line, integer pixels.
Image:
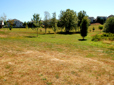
[{"x": 23, "y": 10}]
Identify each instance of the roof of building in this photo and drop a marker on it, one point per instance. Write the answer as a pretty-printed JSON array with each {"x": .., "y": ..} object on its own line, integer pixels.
[
  {"x": 17, "y": 20},
  {"x": 111, "y": 16},
  {"x": 90, "y": 17},
  {"x": 101, "y": 16}
]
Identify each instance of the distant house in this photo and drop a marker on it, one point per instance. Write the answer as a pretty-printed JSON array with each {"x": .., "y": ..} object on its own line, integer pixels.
[
  {"x": 92, "y": 20},
  {"x": 101, "y": 19},
  {"x": 1, "y": 23},
  {"x": 17, "y": 23},
  {"x": 110, "y": 16}
]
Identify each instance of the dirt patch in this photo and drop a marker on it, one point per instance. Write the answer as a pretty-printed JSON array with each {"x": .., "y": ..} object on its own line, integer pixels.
[
  {"x": 96, "y": 24},
  {"x": 3, "y": 36},
  {"x": 107, "y": 42}
]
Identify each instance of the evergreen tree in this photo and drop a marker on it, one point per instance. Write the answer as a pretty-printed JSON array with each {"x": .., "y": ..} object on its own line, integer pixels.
[{"x": 84, "y": 27}]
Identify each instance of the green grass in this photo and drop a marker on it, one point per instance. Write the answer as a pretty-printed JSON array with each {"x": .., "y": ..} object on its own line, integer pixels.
[{"x": 57, "y": 42}]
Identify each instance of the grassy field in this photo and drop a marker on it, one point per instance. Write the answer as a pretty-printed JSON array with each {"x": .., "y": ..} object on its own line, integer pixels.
[{"x": 54, "y": 59}]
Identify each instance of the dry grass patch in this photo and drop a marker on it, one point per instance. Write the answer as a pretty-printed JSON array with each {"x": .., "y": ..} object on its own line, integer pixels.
[{"x": 53, "y": 68}]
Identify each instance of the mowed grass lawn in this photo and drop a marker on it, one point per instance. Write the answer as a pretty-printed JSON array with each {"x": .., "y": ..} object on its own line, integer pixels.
[{"x": 54, "y": 59}]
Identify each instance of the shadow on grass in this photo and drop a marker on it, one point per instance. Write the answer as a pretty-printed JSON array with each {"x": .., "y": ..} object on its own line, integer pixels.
[
  {"x": 65, "y": 33},
  {"x": 82, "y": 39},
  {"x": 30, "y": 36},
  {"x": 49, "y": 33}
]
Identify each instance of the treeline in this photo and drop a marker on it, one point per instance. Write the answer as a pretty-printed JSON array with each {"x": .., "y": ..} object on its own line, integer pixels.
[{"x": 68, "y": 19}]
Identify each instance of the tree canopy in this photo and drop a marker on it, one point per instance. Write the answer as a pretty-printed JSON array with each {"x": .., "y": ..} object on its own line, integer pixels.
[
  {"x": 36, "y": 21},
  {"x": 46, "y": 20},
  {"x": 54, "y": 22},
  {"x": 68, "y": 19},
  {"x": 81, "y": 15},
  {"x": 109, "y": 25}
]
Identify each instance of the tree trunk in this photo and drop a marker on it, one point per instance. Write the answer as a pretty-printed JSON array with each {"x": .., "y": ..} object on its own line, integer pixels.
[
  {"x": 67, "y": 30},
  {"x": 75, "y": 29},
  {"x": 45, "y": 30},
  {"x": 83, "y": 38},
  {"x": 78, "y": 29},
  {"x": 37, "y": 32}
]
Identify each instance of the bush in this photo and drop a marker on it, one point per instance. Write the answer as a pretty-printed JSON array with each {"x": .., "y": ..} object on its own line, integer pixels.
[
  {"x": 100, "y": 27},
  {"x": 10, "y": 27},
  {"x": 0, "y": 26},
  {"x": 105, "y": 36},
  {"x": 96, "y": 38},
  {"x": 109, "y": 25},
  {"x": 93, "y": 29}
]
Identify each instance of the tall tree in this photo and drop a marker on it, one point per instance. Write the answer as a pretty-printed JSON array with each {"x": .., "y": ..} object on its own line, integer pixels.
[
  {"x": 24, "y": 24},
  {"x": 84, "y": 26},
  {"x": 4, "y": 17},
  {"x": 46, "y": 20},
  {"x": 68, "y": 19},
  {"x": 59, "y": 24},
  {"x": 81, "y": 15},
  {"x": 54, "y": 22},
  {"x": 36, "y": 20},
  {"x": 109, "y": 25}
]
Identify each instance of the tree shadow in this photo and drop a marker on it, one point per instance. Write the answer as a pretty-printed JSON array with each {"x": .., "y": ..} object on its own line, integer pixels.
[
  {"x": 65, "y": 33},
  {"x": 49, "y": 33},
  {"x": 82, "y": 39},
  {"x": 30, "y": 36}
]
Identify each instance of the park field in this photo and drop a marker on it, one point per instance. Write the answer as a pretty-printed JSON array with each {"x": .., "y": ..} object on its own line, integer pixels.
[{"x": 54, "y": 59}]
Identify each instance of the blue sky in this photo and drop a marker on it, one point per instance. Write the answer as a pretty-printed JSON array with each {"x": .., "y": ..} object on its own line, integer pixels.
[{"x": 24, "y": 9}]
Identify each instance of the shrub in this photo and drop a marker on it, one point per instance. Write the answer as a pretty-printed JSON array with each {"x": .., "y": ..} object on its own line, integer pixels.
[
  {"x": 0, "y": 26},
  {"x": 48, "y": 31},
  {"x": 93, "y": 29},
  {"x": 100, "y": 27},
  {"x": 105, "y": 36},
  {"x": 40, "y": 30},
  {"x": 10, "y": 27},
  {"x": 96, "y": 38},
  {"x": 109, "y": 25}
]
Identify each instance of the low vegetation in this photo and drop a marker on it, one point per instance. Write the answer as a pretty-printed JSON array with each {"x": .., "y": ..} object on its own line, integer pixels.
[{"x": 104, "y": 36}]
